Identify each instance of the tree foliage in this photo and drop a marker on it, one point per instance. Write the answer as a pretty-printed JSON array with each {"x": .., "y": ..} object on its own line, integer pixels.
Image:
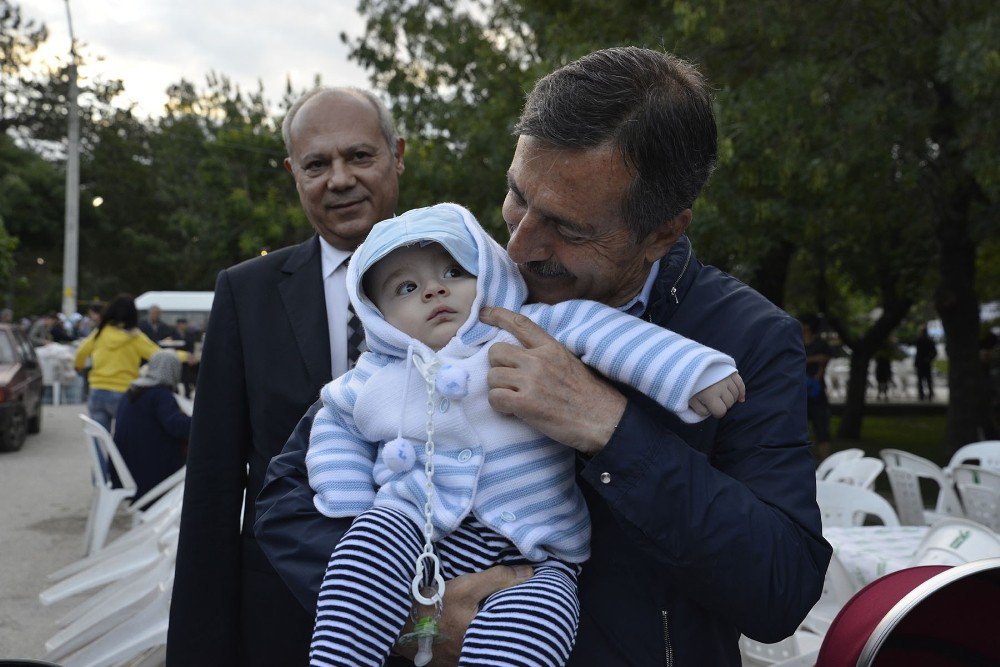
[{"x": 857, "y": 168}]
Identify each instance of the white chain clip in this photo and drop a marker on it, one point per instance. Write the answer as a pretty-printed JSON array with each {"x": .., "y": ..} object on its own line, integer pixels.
[{"x": 427, "y": 558}]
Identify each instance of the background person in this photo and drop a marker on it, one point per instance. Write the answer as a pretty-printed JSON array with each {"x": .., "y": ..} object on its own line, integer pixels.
[
  {"x": 278, "y": 332},
  {"x": 817, "y": 402},
  {"x": 156, "y": 328},
  {"x": 116, "y": 349},
  {"x": 700, "y": 532},
  {"x": 151, "y": 431},
  {"x": 923, "y": 362}
]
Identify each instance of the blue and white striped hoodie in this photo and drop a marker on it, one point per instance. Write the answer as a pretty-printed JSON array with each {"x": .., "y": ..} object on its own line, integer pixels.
[{"x": 513, "y": 479}]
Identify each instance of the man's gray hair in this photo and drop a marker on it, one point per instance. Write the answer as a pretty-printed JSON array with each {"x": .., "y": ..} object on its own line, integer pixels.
[
  {"x": 385, "y": 121},
  {"x": 653, "y": 108}
]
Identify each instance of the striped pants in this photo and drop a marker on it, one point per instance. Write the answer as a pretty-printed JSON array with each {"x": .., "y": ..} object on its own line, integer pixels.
[{"x": 365, "y": 597}]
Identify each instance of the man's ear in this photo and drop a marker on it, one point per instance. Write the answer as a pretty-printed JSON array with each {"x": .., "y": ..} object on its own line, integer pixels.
[
  {"x": 665, "y": 236},
  {"x": 400, "y": 149},
  {"x": 288, "y": 165}
]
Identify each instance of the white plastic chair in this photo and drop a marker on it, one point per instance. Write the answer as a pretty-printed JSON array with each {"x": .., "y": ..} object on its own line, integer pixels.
[
  {"x": 115, "y": 605},
  {"x": 143, "y": 631},
  {"x": 845, "y": 505},
  {"x": 857, "y": 472},
  {"x": 759, "y": 653},
  {"x": 954, "y": 541},
  {"x": 104, "y": 454},
  {"x": 979, "y": 489},
  {"x": 838, "y": 587},
  {"x": 987, "y": 453},
  {"x": 905, "y": 470},
  {"x": 149, "y": 529},
  {"x": 827, "y": 465}
]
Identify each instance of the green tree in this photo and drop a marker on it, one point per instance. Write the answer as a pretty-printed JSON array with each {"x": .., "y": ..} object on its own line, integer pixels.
[{"x": 851, "y": 137}]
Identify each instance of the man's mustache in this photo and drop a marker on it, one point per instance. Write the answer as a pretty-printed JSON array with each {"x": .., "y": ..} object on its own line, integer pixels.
[{"x": 547, "y": 269}]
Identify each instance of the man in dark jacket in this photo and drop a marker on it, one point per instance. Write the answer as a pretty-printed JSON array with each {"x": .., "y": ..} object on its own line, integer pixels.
[
  {"x": 277, "y": 333},
  {"x": 700, "y": 532}
]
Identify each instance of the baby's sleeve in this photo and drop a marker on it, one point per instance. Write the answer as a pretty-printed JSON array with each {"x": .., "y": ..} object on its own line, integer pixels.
[
  {"x": 339, "y": 460},
  {"x": 664, "y": 365}
]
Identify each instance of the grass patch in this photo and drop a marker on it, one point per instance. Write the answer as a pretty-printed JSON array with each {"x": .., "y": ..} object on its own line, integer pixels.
[{"x": 922, "y": 435}]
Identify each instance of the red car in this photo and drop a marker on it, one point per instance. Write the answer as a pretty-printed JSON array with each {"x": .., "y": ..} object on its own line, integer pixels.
[{"x": 20, "y": 389}]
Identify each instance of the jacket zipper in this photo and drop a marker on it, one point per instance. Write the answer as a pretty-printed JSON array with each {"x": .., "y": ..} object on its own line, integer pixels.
[
  {"x": 673, "y": 288},
  {"x": 668, "y": 647}
]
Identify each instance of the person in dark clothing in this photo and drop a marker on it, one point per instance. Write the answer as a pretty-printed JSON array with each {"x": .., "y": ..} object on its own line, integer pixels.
[
  {"x": 151, "y": 431},
  {"x": 155, "y": 328},
  {"x": 924, "y": 358},
  {"x": 817, "y": 402},
  {"x": 699, "y": 533},
  {"x": 883, "y": 370},
  {"x": 189, "y": 374}
]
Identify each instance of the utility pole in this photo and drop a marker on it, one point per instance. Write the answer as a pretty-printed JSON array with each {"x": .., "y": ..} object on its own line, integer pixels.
[{"x": 71, "y": 238}]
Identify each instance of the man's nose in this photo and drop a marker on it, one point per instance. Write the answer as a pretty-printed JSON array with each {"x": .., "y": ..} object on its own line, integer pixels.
[
  {"x": 529, "y": 241},
  {"x": 341, "y": 176}
]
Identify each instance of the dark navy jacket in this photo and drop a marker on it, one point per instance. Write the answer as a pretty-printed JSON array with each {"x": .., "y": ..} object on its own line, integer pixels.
[
  {"x": 151, "y": 433},
  {"x": 701, "y": 532}
]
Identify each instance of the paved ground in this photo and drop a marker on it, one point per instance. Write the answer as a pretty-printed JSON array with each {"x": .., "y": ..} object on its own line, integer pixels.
[{"x": 45, "y": 496}]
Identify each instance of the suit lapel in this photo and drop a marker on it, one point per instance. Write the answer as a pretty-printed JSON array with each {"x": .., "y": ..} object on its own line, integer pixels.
[{"x": 305, "y": 304}]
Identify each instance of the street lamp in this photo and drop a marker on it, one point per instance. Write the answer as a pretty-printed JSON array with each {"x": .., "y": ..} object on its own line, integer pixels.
[{"x": 71, "y": 237}]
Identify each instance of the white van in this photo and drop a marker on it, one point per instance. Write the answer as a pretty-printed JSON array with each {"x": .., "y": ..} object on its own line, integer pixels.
[{"x": 194, "y": 306}]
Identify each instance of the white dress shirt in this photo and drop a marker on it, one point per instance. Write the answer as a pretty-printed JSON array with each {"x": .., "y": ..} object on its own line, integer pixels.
[{"x": 334, "y": 274}]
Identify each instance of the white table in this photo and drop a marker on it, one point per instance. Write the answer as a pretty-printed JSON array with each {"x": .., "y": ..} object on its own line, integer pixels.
[{"x": 870, "y": 552}]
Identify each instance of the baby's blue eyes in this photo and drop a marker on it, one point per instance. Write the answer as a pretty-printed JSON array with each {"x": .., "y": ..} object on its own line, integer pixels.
[{"x": 406, "y": 288}]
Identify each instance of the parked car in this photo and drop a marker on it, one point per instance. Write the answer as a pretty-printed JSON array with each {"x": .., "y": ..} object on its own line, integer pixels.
[{"x": 20, "y": 389}]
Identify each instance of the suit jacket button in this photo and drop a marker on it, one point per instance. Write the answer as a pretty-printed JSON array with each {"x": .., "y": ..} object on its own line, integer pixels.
[{"x": 606, "y": 477}]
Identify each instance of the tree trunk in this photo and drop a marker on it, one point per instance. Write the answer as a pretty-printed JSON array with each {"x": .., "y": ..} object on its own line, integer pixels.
[
  {"x": 772, "y": 274},
  {"x": 958, "y": 308},
  {"x": 854, "y": 402},
  {"x": 863, "y": 348},
  {"x": 955, "y": 297}
]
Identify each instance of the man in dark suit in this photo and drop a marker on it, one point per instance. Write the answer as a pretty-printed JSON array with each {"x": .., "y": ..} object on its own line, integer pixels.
[{"x": 276, "y": 334}]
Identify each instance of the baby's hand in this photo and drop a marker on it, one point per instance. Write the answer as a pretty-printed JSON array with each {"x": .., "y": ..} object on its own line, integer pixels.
[{"x": 716, "y": 399}]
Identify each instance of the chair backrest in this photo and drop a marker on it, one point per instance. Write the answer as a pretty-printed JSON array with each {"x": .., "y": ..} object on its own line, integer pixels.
[
  {"x": 987, "y": 453},
  {"x": 905, "y": 471},
  {"x": 954, "y": 541},
  {"x": 979, "y": 489},
  {"x": 105, "y": 451},
  {"x": 827, "y": 465},
  {"x": 857, "y": 472},
  {"x": 844, "y": 505}
]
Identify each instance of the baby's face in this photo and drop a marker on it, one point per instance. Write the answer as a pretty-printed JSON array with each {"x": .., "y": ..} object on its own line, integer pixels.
[{"x": 423, "y": 292}]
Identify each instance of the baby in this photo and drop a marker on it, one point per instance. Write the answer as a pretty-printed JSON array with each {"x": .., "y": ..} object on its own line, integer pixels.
[{"x": 441, "y": 484}]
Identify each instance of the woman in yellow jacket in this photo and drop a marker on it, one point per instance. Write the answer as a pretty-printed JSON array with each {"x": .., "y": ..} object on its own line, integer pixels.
[{"x": 116, "y": 348}]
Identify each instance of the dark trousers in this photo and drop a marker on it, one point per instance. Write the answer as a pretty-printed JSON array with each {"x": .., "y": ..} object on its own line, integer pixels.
[
  {"x": 276, "y": 630},
  {"x": 924, "y": 379}
]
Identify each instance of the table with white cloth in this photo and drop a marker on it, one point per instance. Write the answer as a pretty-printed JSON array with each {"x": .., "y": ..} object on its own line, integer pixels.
[{"x": 870, "y": 552}]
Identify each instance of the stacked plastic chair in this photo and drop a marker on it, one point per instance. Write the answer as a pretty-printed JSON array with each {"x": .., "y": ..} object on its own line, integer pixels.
[
  {"x": 845, "y": 505},
  {"x": 979, "y": 490},
  {"x": 129, "y": 581},
  {"x": 905, "y": 470},
  {"x": 857, "y": 472},
  {"x": 828, "y": 464}
]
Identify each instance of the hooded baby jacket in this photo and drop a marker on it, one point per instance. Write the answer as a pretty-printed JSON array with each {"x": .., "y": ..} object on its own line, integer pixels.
[{"x": 513, "y": 479}]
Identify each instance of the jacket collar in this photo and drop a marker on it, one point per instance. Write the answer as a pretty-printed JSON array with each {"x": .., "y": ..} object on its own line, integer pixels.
[
  {"x": 303, "y": 296},
  {"x": 677, "y": 273}
]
